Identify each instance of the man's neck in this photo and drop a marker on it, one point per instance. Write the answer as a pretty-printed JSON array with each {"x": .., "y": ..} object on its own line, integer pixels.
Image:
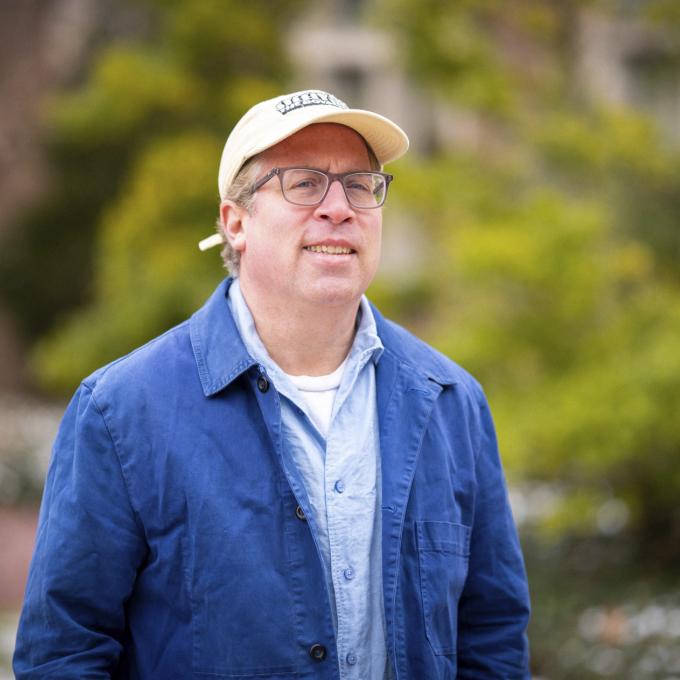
[{"x": 305, "y": 340}]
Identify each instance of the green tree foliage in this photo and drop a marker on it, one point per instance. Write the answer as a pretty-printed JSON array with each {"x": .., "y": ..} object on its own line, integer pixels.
[
  {"x": 149, "y": 273},
  {"x": 135, "y": 150},
  {"x": 551, "y": 273}
]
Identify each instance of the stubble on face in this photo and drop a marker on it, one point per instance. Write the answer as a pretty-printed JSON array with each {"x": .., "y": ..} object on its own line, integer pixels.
[{"x": 309, "y": 258}]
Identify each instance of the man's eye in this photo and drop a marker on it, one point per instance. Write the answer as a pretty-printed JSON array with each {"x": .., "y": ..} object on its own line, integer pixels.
[
  {"x": 305, "y": 184},
  {"x": 303, "y": 181},
  {"x": 359, "y": 186}
]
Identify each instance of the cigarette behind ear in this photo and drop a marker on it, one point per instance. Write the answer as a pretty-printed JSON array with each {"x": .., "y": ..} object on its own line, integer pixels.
[{"x": 210, "y": 242}]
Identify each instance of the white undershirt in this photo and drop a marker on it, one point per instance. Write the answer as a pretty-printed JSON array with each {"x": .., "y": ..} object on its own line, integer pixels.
[{"x": 318, "y": 393}]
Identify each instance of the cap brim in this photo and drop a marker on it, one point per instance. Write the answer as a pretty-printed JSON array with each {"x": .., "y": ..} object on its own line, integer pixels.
[{"x": 387, "y": 140}]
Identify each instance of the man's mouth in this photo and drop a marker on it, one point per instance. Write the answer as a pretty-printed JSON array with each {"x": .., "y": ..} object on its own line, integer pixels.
[{"x": 331, "y": 250}]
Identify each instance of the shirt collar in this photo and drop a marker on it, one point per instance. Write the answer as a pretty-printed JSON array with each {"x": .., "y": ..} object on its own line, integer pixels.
[{"x": 221, "y": 355}]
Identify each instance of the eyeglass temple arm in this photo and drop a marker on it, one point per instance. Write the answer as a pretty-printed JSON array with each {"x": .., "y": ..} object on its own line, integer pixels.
[{"x": 263, "y": 180}]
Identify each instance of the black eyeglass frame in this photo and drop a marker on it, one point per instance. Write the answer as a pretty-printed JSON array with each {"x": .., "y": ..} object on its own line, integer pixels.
[{"x": 332, "y": 177}]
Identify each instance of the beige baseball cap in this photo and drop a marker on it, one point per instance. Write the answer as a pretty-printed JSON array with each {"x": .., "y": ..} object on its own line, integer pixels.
[{"x": 273, "y": 120}]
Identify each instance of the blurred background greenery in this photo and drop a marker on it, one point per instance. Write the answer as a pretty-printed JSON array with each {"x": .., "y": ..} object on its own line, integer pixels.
[{"x": 532, "y": 234}]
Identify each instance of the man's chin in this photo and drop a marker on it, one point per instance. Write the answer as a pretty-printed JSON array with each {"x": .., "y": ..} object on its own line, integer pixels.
[{"x": 332, "y": 293}]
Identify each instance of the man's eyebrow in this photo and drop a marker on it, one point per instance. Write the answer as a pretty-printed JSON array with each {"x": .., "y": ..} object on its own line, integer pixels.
[{"x": 319, "y": 169}]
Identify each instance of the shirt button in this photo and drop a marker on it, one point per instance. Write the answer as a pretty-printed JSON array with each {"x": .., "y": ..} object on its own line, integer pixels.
[
  {"x": 348, "y": 573},
  {"x": 262, "y": 384},
  {"x": 300, "y": 513},
  {"x": 339, "y": 486},
  {"x": 317, "y": 652},
  {"x": 351, "y": 659}
]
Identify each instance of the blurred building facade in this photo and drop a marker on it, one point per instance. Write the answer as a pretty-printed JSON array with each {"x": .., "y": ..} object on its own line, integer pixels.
[
  {"x": 618, "y": 60},
  {"x": 631, "y": 62},
  {"x": 334, "y": 48}
]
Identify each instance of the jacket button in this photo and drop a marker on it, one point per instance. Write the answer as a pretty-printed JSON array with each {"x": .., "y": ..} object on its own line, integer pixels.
[
  {"x": 317, "y": 652},
  {"x": 262, "y": 384},
  {"x": 300, "y": 513}
]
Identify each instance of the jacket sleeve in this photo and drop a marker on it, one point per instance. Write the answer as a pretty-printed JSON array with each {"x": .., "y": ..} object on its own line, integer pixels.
[
  {"x": 494, "y": 608},
  {"x": 89, "y": 546}
]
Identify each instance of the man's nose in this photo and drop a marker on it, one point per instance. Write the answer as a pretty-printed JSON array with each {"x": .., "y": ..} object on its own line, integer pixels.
[{"x": 335, "y": 206}]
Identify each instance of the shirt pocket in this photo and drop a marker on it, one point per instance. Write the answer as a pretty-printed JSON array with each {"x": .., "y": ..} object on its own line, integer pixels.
[{"x": 443, "y": 555}]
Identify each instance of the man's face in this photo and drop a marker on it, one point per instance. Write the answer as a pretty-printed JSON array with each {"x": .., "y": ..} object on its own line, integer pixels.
[{"x": 281, "y": 243}]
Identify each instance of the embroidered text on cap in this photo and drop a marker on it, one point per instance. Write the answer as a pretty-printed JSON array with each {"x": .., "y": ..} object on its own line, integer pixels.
[{"x": 309, "y": 98}]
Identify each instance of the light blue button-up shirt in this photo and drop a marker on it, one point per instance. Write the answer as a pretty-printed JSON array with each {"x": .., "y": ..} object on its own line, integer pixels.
[{"x": 341, "y": 476}]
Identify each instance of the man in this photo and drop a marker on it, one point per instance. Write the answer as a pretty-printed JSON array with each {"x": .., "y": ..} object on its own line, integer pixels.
[{"x": 287, "y": 485}]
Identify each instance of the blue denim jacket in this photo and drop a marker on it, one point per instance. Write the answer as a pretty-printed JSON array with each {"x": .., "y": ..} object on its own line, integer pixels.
[{"x": 170, "y": 544}]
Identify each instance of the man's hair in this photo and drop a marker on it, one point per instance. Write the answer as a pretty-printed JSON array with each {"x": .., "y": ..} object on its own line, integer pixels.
[{"x": 240, "y": 192}]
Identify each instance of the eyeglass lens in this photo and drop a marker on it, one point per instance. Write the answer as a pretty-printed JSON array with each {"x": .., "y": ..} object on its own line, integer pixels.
[{"x": 307, "y": 187}]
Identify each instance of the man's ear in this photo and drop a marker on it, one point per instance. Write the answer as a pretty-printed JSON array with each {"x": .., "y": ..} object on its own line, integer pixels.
[{"x": 232, "y": 217}]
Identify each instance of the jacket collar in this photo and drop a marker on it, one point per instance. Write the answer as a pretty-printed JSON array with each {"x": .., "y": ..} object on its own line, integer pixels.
[
  {"x": 218, "y": 349},
  {"x": 416, "y": 356},
  {"x": 221, "y": 356}
]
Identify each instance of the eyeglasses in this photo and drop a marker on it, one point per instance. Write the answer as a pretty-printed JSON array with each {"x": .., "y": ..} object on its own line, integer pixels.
[{"x": 304, "y": 186}]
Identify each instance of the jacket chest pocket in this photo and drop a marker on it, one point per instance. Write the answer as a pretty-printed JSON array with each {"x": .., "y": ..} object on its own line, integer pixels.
[{"x": 443, "y": 555}]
